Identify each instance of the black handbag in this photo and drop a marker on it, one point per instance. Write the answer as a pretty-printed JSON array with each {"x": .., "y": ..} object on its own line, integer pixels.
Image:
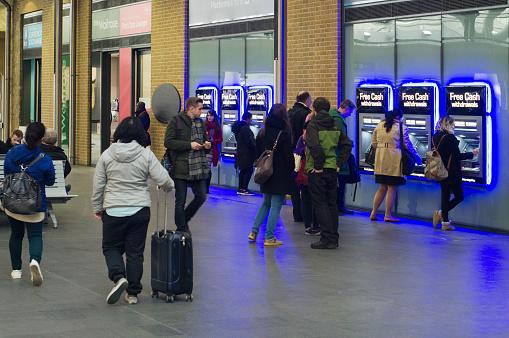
[
  {"x": 369, "y": 156},
  {"x": 407, "y": 158},
  {"x": 353, "y": 176}
]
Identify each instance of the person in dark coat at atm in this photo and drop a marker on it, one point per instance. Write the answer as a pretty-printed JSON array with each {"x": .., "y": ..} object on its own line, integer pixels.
[
  {"x": 246, "y": 152},
  {"x": 297, "y": 115},
  {"x": 447, "y": 146}
]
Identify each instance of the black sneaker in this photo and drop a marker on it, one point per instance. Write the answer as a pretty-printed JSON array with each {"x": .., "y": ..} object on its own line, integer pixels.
[
  {"x": 312, "y": 232},
  {"x": 117, "y": 290},
  {"x": 324, "y": 246}
]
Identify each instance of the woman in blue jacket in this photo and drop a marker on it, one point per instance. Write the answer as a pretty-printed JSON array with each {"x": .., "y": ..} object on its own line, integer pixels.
[{"x": 44, "y": 173}]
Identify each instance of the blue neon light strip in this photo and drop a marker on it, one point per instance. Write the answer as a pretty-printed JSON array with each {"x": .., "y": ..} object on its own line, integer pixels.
[
  {"x": 214, "y": 96},
  {"x": 390, "y": 92},
  {"x": 436, "y": 99},
  {"x": 270, "y": 92}
]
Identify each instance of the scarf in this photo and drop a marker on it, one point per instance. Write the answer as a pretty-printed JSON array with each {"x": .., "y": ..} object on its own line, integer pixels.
[{"x": 199, "y": 167}]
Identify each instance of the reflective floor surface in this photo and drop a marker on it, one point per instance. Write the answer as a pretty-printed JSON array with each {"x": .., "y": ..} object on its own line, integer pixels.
[{"x": 385, "y": 280}]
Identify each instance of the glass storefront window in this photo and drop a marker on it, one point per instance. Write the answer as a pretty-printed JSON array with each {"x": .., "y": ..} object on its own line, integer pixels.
[
  {"x": 203, "y": 64},
  {"x": 419, "y": 48},
  {"x": 3, "y": 60},
  {"x": 232, "y": 63},
  {"x": 143, "y": 85},
  {"x": 66, "y": 77},
  {"x": 260, "y": 60}
]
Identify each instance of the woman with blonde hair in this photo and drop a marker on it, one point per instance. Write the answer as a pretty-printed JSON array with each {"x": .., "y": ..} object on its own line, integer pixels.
[
  {"x": 447, "y": 146},
  {"x": 388, "y": 169}
]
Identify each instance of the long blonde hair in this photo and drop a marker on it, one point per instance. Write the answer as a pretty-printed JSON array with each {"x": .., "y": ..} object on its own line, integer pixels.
[{"x": 446, "y": 124}]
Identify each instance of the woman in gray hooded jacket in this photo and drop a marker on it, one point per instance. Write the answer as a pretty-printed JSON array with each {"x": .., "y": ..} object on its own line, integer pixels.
[{"x": 121, "y": 199}]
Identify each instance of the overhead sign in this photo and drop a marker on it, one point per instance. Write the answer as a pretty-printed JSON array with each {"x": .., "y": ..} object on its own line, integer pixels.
[
  {"x": 32, "y": 35},
  {"x": 206, "y": 12},
  {"x": 466, "y": 100},
  {"x": 122, "y": 21},
  {"x": 416, "y": 100},
  {"x": 374, "y": 99}
]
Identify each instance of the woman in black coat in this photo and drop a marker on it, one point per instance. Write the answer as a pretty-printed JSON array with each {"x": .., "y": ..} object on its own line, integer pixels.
[
  {"x": 448, "y": 147},
  {"x": 280, "y": 183}
]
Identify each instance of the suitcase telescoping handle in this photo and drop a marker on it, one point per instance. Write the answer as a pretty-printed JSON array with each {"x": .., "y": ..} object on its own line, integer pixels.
[{"x": 159, "y": 192}]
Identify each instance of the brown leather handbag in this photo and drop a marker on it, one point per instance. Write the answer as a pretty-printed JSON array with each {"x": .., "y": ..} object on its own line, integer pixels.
[{"x": 264, "y": 164}]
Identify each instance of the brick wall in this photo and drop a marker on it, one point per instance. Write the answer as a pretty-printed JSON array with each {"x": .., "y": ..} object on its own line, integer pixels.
[
  {"x": 312, "y": 48},
  {"x": 83, "y": 78},
  {"x": 168, "y": 54}
]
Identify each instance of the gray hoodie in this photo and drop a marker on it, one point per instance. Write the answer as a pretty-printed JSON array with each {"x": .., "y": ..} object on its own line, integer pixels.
[{"x": 121, "y": 177}]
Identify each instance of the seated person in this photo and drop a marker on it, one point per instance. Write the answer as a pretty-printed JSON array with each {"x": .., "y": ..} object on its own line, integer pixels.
[
  {"x": 56, "y": 153},
  {"x": 15, "y": 139}
]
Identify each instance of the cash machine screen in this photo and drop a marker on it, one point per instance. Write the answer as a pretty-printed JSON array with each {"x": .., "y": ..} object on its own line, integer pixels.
[
  {"x": 417, "y": 103},
  {"x": 208, "y": 95},
  {"x": 258, "y": 105},
  {"x": 231, "y": 104},
  {"x": 367, "y": 125}
]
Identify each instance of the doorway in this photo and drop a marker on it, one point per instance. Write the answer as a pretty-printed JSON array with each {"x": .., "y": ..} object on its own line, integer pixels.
[{"x": 105, "y": 101}]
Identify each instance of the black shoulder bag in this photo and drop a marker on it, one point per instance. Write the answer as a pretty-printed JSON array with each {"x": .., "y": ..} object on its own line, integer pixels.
[{"x": 407, "y": 158}]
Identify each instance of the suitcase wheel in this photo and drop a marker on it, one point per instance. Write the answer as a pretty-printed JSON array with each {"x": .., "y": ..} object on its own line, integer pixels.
[
  {"x": 189, "y": 298},
  {"x": 170, "y": 299},
  {"x": 155, "y": 294}
]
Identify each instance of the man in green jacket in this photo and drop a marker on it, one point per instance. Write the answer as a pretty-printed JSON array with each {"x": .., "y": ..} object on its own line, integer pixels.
[
  {"x": 187, "y": 144},
  {"x": 346, "y": 109},
  {"x": 323, "y": 160}
]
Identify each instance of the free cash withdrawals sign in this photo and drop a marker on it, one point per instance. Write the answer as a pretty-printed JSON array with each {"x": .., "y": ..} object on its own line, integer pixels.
[
  {"x": 372, "y": 99},
  {"x": 416, "y": 100},
  {"x": 465, "y": 100}
]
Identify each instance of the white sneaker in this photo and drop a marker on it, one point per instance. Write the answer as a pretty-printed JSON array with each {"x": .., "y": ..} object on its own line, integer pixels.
[
  {"x": 117, "y": 291},
  {"x": 36, "y": 274},
  {"x": 16, "y": 274},
  {"x": 131, "y": 299}
]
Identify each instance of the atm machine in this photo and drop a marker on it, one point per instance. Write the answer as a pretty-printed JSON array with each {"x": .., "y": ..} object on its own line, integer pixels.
[
  {"x": 373, "y": 101},
  {"x": 259, "y": 102},
  {"x": 209, "y": 96},
  {"x": 469, "y": 103},
  {"x": 419, "y": 103},
  {"x": 232, "y": 108}
]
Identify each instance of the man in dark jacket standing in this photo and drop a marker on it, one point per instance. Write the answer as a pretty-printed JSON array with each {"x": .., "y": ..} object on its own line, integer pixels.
[
  {"x": 50, "y": 148},
  {"x": 346, "y": 109},
  {"x": 323, "y": 137},
  {"x": 246, "y": 152},
  {"x": 186, "y": 141},
  {"x": 297, "y": 115}
]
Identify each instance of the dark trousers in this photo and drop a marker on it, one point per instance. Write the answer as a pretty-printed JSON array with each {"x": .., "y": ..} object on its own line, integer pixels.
[
  {"x": 34, "y": 231},
  {"x": 126, "y": 235},
  {"x": 208, "y": 181},
  {"x": 341, "y": 193},
  {"x": 446, "y": 203},
  {"x": 296, "y": 203},
  {"x": 323, "y": 189},
  {"x": 307, "y": 208},
  {"x": 245, "y": 177},
  {"x": 184, "y": 214}
]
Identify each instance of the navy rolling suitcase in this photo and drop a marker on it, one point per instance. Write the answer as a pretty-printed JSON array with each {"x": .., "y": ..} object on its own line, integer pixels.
[{"x": 172, "y": 261}]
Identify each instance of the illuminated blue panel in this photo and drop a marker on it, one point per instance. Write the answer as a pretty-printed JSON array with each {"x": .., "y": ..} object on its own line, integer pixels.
[
  {"x": 488, "y": 124},
  {"x": 390, "y": 92},
  {"x": 214, "y": 92},
  {"x": 436, "y": 98}
]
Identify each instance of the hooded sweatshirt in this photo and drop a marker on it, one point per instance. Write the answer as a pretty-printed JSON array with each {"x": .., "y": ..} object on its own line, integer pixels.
[
  {"x": 323, "y": 137},
  {"x": 121, "y": 177}
]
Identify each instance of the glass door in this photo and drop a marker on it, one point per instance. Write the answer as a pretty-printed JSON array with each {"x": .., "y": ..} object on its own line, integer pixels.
[{"x": 143, "y": 83}]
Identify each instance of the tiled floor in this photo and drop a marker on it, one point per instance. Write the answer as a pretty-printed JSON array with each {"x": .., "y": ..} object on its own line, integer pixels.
[{"x": 384, "y": 281}]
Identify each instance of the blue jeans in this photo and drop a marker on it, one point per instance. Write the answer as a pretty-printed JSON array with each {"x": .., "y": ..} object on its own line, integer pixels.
[
  {"x": 34, "y": 231},
  {"x": 271, "y": 205}
]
